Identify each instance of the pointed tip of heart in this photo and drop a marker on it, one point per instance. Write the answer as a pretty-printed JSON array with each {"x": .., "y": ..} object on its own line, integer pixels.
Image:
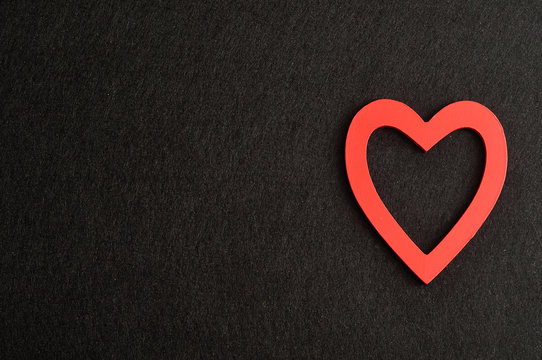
[
  {"x": 427, "y": 278},
  {"x": 426, "y": 281}
]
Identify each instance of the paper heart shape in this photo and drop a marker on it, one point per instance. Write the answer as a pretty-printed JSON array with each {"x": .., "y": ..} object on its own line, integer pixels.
[{"x": 459, "y": 115}]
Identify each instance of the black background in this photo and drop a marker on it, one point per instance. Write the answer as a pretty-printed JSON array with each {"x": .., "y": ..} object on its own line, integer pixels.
[{"x": 173, "y": 180}]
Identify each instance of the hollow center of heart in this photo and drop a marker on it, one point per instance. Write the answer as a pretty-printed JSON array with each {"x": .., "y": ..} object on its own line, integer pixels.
[{"x": 426, "y": 192}]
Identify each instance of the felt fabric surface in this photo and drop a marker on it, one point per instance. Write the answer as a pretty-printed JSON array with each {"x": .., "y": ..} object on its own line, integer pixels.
[{"x": 173, "y": 181}]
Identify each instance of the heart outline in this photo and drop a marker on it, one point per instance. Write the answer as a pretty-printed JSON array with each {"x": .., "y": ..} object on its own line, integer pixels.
[{"x": 458, "y": 115}]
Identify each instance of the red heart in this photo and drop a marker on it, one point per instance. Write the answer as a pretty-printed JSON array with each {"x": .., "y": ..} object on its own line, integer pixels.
[{"x": 459, "y": 115}]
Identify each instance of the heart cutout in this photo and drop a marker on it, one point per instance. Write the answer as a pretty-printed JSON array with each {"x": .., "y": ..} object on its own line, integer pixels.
[
  {"x": 426, "y": 192},
  {"x": 459, "y": 115}
]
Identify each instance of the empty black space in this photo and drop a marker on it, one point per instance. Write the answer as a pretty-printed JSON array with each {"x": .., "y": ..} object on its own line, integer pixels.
[
  {"x": 173, "y": 182},
  {"x": 426, "y": 192}
]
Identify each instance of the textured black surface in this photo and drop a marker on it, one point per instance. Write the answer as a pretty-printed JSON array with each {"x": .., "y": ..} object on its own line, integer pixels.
[{"x": 173, "y": 180}]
